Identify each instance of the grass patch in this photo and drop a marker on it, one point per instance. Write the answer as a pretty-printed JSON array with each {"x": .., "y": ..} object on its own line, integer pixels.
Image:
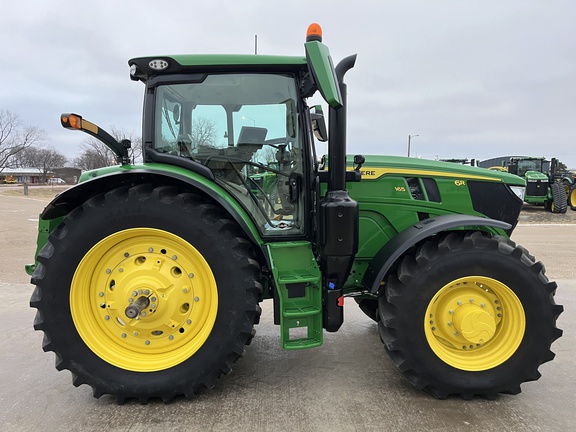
[{"x": 37, "y": 192}]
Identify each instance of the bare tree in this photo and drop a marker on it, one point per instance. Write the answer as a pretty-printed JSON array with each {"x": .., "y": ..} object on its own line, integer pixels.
[
  {"x": 43, "y": 159},
  {"x": 94, "y": 154},
  {"x": 15, "y": 137},
  {"x": 266, "y": 155},
  {"x": 203, "y": 133},
  {"x": 135, "y": 150}
]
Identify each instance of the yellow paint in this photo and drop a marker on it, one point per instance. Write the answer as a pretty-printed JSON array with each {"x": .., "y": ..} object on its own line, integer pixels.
[
  {"x": 474, "y": 323},
  {"x": 375, "y": 173},
  {"x": 164, "y": 269},
  {"x": 89, "y": 126}
]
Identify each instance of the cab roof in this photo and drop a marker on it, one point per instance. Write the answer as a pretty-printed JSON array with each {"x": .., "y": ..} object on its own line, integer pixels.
[{"x": 141, "y": 68}]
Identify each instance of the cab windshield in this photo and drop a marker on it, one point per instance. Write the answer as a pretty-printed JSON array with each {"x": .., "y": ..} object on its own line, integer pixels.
[
  {"x": 525, "y": 165},
  {"x": 244, "y": 127}
]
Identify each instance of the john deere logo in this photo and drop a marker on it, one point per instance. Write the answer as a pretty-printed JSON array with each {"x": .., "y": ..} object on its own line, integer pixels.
[{"x": 459, "y": 182}]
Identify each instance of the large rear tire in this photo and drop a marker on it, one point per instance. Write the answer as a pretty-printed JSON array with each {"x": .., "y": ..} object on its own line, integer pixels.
[
  {"x": 469, "y": 314},
  {"x": 146, "y": 292}
]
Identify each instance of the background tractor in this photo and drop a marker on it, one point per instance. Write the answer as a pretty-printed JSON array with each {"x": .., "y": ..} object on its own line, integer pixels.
[
  {"x": 543, "y": 185},
  {"x": 149, "y": 276}
]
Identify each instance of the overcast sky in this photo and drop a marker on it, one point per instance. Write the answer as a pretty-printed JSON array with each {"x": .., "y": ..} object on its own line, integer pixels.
[{"x": 474, "y": 79}]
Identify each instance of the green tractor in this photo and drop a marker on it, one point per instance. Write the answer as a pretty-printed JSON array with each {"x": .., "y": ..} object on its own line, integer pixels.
[
  {"x": 542, "y": 185},
  {"x": 149, "y": 276}
]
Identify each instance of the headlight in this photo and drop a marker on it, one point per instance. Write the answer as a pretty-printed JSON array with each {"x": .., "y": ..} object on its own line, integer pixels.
[{"x": 519, "y": 191}]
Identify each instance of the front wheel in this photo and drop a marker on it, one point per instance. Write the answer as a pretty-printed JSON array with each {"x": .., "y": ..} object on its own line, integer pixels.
[
  {"x": 469, "y": 314},
  {"x": 146, "y": 292}
]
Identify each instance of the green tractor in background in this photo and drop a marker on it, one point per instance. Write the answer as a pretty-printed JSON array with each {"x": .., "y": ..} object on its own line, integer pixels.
[
  {"x": 543, "y": 187},
  {"x": 149, "y": 276}
]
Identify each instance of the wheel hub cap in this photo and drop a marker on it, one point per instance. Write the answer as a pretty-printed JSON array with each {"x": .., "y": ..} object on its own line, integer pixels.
[{"x": 475, "y": 324}]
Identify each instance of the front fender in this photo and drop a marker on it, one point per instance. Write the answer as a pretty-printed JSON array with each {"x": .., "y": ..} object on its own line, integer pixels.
[{"x": 404, "y": 240}]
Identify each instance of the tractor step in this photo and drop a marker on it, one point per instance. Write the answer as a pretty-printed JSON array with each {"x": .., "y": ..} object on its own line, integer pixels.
[{"x": 299, "y": 286}]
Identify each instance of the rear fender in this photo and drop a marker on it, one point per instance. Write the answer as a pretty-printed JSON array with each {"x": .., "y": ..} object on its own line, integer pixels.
[
  {"x": 65, "y": 202},
  {"x": 404, "y": 240}
]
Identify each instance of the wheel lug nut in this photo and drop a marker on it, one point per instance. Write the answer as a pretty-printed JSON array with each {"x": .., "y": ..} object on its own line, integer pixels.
[
  {"x": 126, "y": 254},
  {"x": 153, "y": 299},
  {"x": 191, "y": 275},
  {"x": 107, "y": 317},
  {"x": 196, "y": 299},
  {"x": 123, "y": 335},
  {"x": 108, "y": 271},
  {"x": 174, "y": 257},
  {"x": 134, "y": 293},
  {"x": 459, "y": 303},
  {"x": 150, "y": 250},
  {"x": 471, "y": 300},
  {"x": 147, "y": 342}
]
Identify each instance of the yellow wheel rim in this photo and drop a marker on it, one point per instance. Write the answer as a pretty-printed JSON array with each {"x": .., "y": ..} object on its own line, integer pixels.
[
  {"x": 573, "y": 198},
  {"x": 151, "y": 267},
  {"x": 475, "y": 323}
]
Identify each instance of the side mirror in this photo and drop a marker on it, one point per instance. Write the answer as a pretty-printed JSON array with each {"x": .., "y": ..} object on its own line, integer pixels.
[
  {"x": 319, "y": 124},
  {"x": 358, "y": 162},
  {"x": 176, "y": 113}
]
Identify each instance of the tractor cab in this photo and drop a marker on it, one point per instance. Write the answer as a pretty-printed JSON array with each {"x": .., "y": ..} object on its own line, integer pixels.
[{"x": 249, "y": 134}]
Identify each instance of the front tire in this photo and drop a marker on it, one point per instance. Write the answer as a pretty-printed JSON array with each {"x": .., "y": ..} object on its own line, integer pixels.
[
  {"x": 469, "y": 314},
  {"x": 181, "y": 259}
]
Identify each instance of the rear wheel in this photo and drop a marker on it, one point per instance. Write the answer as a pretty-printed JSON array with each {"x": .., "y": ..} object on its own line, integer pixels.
[
  {"x": 145, "y": 293},
  {"x": 559, "y": 204},
  {"x": 469, "y": 315}
]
